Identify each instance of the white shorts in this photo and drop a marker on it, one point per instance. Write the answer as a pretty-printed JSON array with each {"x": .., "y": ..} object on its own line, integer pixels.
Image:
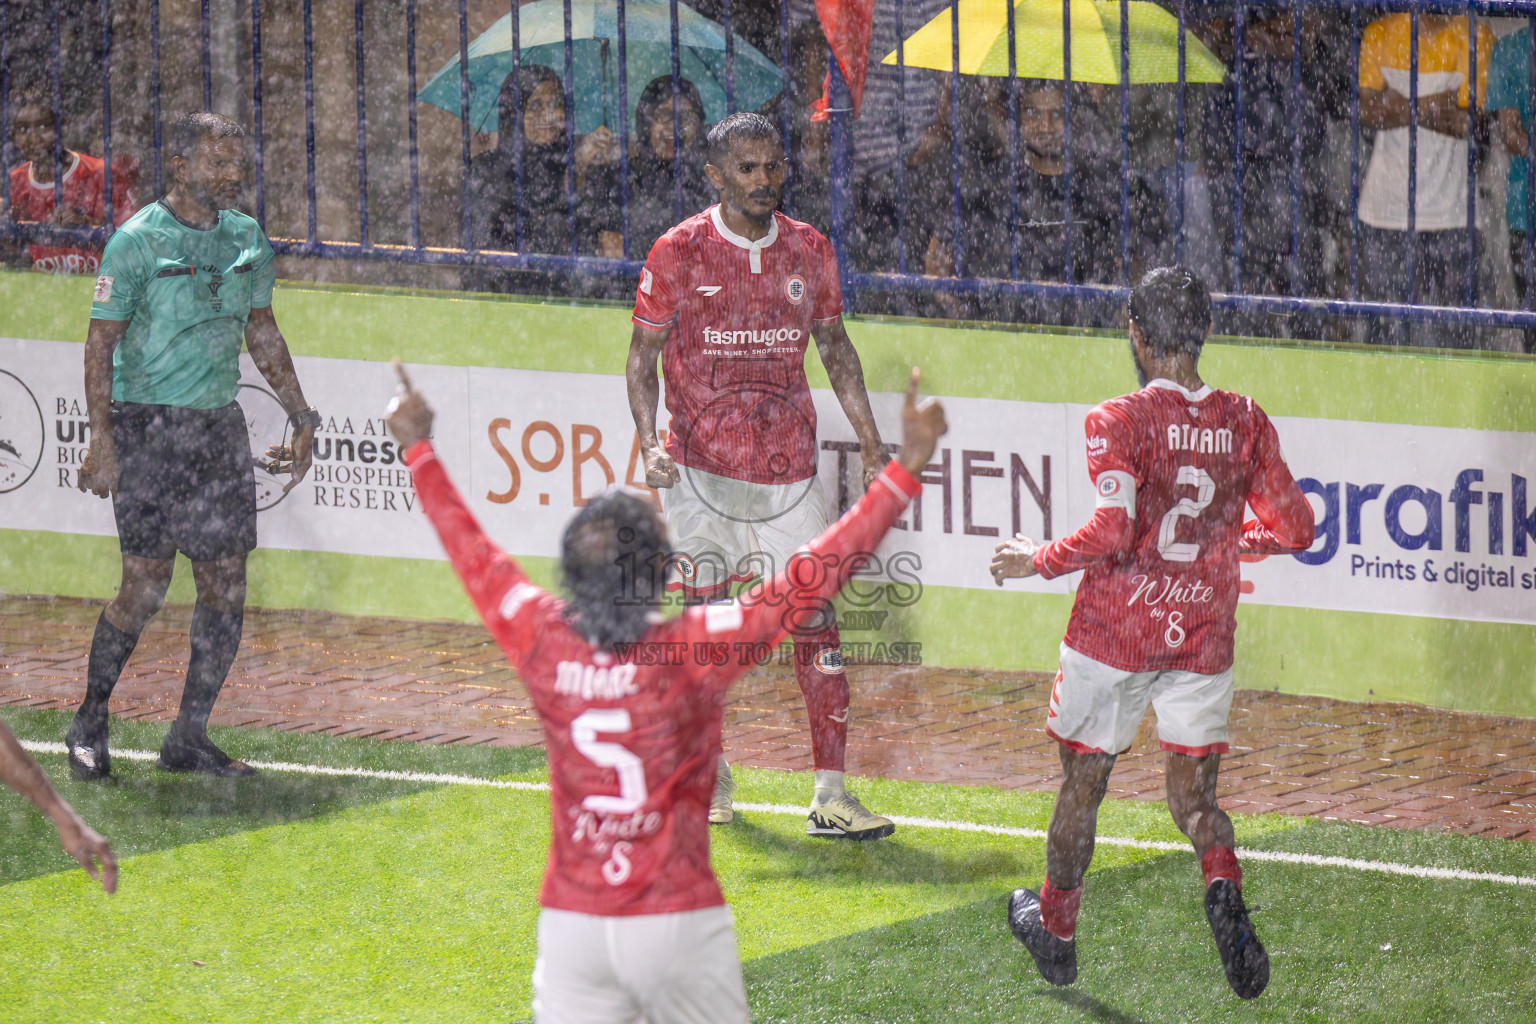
[
  {"x": 726, "y": 530},
  {"x": 653, "y": 968},
  {"x": 1096, "y": 709}
]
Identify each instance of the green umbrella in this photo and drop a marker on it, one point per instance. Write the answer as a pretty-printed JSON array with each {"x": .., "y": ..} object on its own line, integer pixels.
[
  {"x": 595, "y": 64},
  {"x": 1154, "y": 42}
]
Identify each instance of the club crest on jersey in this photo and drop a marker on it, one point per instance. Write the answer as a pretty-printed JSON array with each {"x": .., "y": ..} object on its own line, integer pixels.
[
  {"x": 794, "y": 289},
  {"x": 685, "y": 568},
  {"x": 1109, "y": 485},
  {"x": 830, "y": 661},
  {"x": 103, "y": 291}
]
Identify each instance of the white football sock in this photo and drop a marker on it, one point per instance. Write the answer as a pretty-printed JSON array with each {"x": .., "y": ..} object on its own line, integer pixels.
[{"x": 829, "y": 784}]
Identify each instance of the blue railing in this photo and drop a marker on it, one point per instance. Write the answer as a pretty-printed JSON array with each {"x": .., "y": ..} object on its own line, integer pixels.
[{"x": 900, "y": 278}]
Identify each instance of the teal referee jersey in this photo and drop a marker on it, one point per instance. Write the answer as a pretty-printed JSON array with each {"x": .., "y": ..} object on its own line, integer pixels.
[{"x": 186, "y": 293}]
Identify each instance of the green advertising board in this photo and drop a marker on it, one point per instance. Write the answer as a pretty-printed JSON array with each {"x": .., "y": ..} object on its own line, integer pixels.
[{"x": 1447, "y": 662}]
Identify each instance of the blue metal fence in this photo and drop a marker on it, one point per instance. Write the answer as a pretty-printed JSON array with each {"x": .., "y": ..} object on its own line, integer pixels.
[{"x": 897, "y": 279}]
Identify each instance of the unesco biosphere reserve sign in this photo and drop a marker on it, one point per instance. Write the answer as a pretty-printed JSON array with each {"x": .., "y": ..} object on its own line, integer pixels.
[{"x": 1411, "y": 520}]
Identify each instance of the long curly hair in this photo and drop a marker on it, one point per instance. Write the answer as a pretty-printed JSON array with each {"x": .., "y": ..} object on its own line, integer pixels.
[{"x": 614, "y": 560}]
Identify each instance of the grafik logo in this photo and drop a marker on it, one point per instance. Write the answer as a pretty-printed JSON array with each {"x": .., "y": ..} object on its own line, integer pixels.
[{"x": 21, "y": 432}]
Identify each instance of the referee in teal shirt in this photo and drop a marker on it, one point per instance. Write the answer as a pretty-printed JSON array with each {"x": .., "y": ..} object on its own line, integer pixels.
[{"x": 182, "y": 283}]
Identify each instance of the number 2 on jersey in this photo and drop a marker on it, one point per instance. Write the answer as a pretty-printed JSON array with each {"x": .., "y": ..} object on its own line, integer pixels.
[
  {"x": 1189, "y": 476},
  {"x": 632, "y": 790}
]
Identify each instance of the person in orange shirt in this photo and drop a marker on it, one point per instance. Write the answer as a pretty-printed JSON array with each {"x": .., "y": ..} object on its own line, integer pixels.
[{"x": 1445, "y": 246}]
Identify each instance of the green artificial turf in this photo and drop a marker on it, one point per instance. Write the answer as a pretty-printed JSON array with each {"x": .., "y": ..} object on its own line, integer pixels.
[{"x": 311, "y": 898}]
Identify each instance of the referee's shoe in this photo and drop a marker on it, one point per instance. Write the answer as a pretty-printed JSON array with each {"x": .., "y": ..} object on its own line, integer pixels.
[
  {"x": 89, "y": 760},
  {"x": 179, "y": 754}
]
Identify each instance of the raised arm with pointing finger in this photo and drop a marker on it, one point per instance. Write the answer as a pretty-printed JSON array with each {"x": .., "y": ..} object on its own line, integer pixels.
[{"x": 632, "y": 709}]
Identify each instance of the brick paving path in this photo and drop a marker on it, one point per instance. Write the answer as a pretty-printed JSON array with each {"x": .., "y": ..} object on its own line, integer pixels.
[{"x": 1396, "y": 765}]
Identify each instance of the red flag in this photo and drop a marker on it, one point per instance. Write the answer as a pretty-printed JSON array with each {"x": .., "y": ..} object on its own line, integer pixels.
[{"x": 846, "y": 25}]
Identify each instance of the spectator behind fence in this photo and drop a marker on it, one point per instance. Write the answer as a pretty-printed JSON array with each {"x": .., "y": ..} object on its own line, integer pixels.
[
  {"x": 1269, "y": 128},
  {"x": 652, "y": 173},
  {"x": 1444, "y": 249},
  {"x": 870, "y": 237},
  {"x": 1509, "y": 98},
  {"x": 84, "y": 188},
  {"x": 545, "y": 203},
  {"x": 1042, "y": 212}
]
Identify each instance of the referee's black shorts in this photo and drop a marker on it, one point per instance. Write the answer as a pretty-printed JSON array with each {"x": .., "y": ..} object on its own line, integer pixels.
[{"x": 185, "y": 482}]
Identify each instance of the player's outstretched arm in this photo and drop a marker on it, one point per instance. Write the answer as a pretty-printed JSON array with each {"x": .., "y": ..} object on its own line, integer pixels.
[
  {"x": 767, "y": 611},
  {"x": 846, "y": 373},
  {"x": 1108, "y": 534},
  {"x": 1014, "y": 559},
  {"x": 1111, "y": 530},
  {"x": 486, "y": 571},
  {"x": 1285, "y": 522},
  {"x": 644, "y": 392},
  {"x": 269, "y": 351},
  {"x": 21, "y": 773}
]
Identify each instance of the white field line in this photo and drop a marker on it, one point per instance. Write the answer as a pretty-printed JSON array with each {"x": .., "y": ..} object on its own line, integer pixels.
[
  {"x": 1311, "y": 860},
  {"x": 320, "y": 769}
]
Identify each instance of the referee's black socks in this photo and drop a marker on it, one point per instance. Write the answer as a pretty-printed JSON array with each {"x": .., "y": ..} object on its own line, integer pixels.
[
  {"x": 110, "y": 648},
  {"x": 215, "y": 639}
]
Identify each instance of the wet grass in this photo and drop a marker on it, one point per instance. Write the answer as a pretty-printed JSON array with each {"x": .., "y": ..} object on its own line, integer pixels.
[{"x": 344, "y": 899}]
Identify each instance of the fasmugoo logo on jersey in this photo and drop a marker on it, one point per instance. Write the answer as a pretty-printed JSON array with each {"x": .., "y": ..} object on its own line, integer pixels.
[
  {"x": 794, "y": 289},
  {"x": 22, "y": 433},
  {"x": 768, "y": 337}
]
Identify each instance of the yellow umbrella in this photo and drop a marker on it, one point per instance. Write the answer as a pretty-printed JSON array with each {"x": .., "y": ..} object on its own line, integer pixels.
[{"x": 1154, "y": 42}]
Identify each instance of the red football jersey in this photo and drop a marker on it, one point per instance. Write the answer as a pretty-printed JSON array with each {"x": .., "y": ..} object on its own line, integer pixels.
[
  {"x": 740, "y": 314},
  {"x": 85, "y": 188},
  {"x": 633, "y": 737},
  {"x": 1160, "y": 590}
]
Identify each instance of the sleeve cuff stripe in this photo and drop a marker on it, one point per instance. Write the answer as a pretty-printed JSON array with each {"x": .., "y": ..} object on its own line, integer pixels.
[
  {"x": 419, "y": 453},
  {"x": 637, "y": 318},
  {"x": 901, "y": 483}
]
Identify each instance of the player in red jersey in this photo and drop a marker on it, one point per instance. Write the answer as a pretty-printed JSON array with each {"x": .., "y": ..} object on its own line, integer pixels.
[
  {"x": 1174, "y": 465},
  {"x": 633, "y": 923},
  {"x": 84, "y": 186},
  {"x": 730, "y": 299}
]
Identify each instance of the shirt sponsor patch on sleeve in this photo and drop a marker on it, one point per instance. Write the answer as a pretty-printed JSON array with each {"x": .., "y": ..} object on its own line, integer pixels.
[
  {"x": 103, "y": 291},
  {"x": 645, "y": 280},
  {"x": 1097, "y": 445},
  {"x": 515, "y": 599},
  {"x": 722, "y": 617}
]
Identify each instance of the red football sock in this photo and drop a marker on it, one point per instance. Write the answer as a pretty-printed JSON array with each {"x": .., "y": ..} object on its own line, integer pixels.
[
  {"x": 1058, "y": 909},
  {"x": 826, "y": 696},
  {"x": 1221, "y": 862}
]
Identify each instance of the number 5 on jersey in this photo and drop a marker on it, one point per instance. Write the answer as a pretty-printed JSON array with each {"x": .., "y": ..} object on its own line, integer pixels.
[{"x": 631, "y": 771}]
